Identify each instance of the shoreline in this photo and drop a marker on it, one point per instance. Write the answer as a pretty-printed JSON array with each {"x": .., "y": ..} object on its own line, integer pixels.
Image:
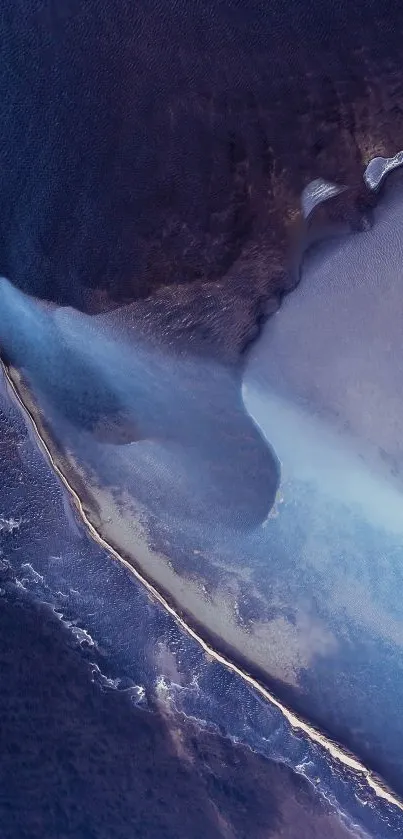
[
  {"x": 213, "y": 645},
  {"x": 153, "y": 570}
]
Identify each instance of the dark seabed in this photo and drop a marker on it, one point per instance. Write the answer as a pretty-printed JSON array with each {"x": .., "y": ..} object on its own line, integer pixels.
[{"x": 154, "y": 158}]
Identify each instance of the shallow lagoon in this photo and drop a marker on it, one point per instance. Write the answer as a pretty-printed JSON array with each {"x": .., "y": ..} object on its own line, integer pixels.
[
  {"x": 305, "y": 592},
  {"x": 102, "y": 692}
]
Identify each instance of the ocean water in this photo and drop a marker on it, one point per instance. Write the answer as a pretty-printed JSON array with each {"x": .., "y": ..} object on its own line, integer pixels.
[
  {"x": 324, "y": 386},
  {"x": 127, "y": 133},
  {"x": 96, "y": 676},
  {"x": 303, "y": 594}
]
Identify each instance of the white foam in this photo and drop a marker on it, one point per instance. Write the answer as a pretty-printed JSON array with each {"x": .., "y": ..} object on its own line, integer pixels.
[
  {"x": 311, "y": 452},
  {"x": 316, "y": 192},
  {"x": 9, "y": 524}
]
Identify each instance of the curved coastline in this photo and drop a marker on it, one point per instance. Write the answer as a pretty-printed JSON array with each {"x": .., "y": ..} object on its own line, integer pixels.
[
  {"x": 212, "y": 643},
  {"x": 206, "y": 641},
  {"x": 163, "y": 670}
]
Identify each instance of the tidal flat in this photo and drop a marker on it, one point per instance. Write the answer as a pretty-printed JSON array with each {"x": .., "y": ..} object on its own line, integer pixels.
[
  {"x": 282, "y": 548},
  {"x": 112, "y": 717}
]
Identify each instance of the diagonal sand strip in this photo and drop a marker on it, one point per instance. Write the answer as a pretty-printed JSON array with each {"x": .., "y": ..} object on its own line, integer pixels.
[{"x": 346, "y": 759}]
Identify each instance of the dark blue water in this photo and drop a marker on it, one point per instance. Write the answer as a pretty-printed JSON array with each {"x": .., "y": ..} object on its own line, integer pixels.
[
  {"x": 126, "y": 135},
  {"x": 127, "y": 130},
  {"x": 108, "y": 710}
]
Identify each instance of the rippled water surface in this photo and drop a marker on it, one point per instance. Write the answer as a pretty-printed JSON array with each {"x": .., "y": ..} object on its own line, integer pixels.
[
  {"x": 308, "y": 596},
  {"x": 102, "y": 693},
  {"x": 200, "y": 526}
]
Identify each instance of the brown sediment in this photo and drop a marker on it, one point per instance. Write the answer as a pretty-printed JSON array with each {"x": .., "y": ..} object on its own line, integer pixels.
[
  {"x": 248, "y": 117},
  {"x": 212, "y": 645}
]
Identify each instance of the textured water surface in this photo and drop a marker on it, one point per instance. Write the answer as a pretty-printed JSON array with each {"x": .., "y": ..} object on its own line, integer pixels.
[
  {"x": 305, "y": 594},
  {"x": 112, "y": 719},
  {"x": 163, "y": 167}
]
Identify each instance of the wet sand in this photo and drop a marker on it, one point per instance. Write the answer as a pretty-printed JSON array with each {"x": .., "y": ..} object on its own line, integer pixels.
[{"x": 173, "y": 185}]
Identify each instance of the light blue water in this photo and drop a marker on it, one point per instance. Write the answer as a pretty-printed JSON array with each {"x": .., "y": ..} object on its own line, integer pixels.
[
  {"x": 314, "y": 590},
  {"x": 132, "y": 648}
]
